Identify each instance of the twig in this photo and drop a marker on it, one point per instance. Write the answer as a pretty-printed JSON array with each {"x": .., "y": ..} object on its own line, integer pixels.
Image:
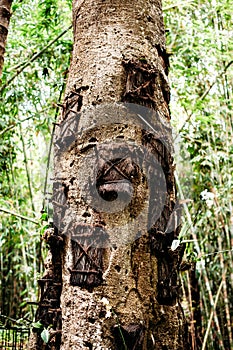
[
  {"x": 19, "y": 216},
  {"x": 214, "y": 82},
  {"x": 34, "y": 58},
  {"x": 217, "y": 252},
  {"x": 203, "y": 96},
  {"x": 21, "y": 121}
]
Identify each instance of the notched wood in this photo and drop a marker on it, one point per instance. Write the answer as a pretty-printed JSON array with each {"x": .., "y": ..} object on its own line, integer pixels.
[
  {"x": 143, "y": 81},
  {"x": 73, "y": 101},
  {"x": 115, "y": 177},
  {"x": 140, "y": 83},
  {"x": 164, "y": 58},
  {"x": 88, "y": 244},
  {"x": 49, "y": 311},
  {"x": 168, "y": 265}
]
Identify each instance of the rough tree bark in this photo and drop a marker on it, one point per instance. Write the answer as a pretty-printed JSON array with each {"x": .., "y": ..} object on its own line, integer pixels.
[
  {"x": 114, "y": 196},
  {"x": 5, "y": 14}
]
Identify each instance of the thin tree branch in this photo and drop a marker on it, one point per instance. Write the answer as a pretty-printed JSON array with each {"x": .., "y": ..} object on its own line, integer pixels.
[
  {"x": 203, "y": 96},
  {"x": 214, "y": 82},
  {"x": 21, "y": 121},
  {"x": 34, "y": 58},
  {"x": 217, "y": 252},
  {"x": 19, "y": 216},
  {"x": 14, "y": 125}
]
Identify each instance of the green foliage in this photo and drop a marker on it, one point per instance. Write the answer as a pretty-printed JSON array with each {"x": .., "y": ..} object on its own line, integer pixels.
[
  {"x": 45, "y": 335},
  {"x": 37, "y": 325},
  {"x": 32, "y": 84},
  {"x": 200, "y": 42},
  {"x": 44, "y": 332}
]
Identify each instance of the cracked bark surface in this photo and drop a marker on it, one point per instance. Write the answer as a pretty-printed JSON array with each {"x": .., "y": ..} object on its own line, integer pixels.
[{"x": 119, "y": 274}]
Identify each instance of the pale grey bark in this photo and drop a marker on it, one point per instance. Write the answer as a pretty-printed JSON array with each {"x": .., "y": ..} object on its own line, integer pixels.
[{"x": 116, "y": 43}]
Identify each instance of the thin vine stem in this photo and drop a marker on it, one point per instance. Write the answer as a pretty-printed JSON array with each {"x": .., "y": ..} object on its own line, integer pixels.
[{"x": 26, "y": 168}]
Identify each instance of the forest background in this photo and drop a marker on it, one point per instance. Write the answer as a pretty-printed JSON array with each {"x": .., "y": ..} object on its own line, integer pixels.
[{"x": 200, "y": 44}]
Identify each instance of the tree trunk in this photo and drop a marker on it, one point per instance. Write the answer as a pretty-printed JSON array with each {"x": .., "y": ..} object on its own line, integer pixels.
[
  {"x": 115, "y": 212},
  {"x": 5, "y": 14}
]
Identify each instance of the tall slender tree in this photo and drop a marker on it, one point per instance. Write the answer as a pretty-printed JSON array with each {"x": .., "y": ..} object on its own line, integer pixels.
[
  {"x": 5, "y": 14},
  {"x": 112, "y": 280}
]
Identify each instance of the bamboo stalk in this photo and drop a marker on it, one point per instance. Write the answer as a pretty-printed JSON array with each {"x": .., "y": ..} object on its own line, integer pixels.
[
  {"x": 224, "y": 269},
  {"x": 192, "y": 326},
  {"x": 19, "y": 215},
  {"x": 202, "y": 262},
  {"x": 211, "y": 316},
  {"x": 225, "y": 293},
  {"x": 205, "y": 315},
  {"x": 26, "y": 168}
]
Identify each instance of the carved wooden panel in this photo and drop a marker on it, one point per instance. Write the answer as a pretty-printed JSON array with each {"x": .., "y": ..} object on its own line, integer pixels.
[{"x": 87, "y": 251}]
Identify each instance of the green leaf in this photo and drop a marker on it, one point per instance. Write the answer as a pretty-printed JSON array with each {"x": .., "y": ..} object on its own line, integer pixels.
[
  {"x": 37, "y": 325},
  {"x": 45, "y": 335},
  {"x": 44, "y": 217}
]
